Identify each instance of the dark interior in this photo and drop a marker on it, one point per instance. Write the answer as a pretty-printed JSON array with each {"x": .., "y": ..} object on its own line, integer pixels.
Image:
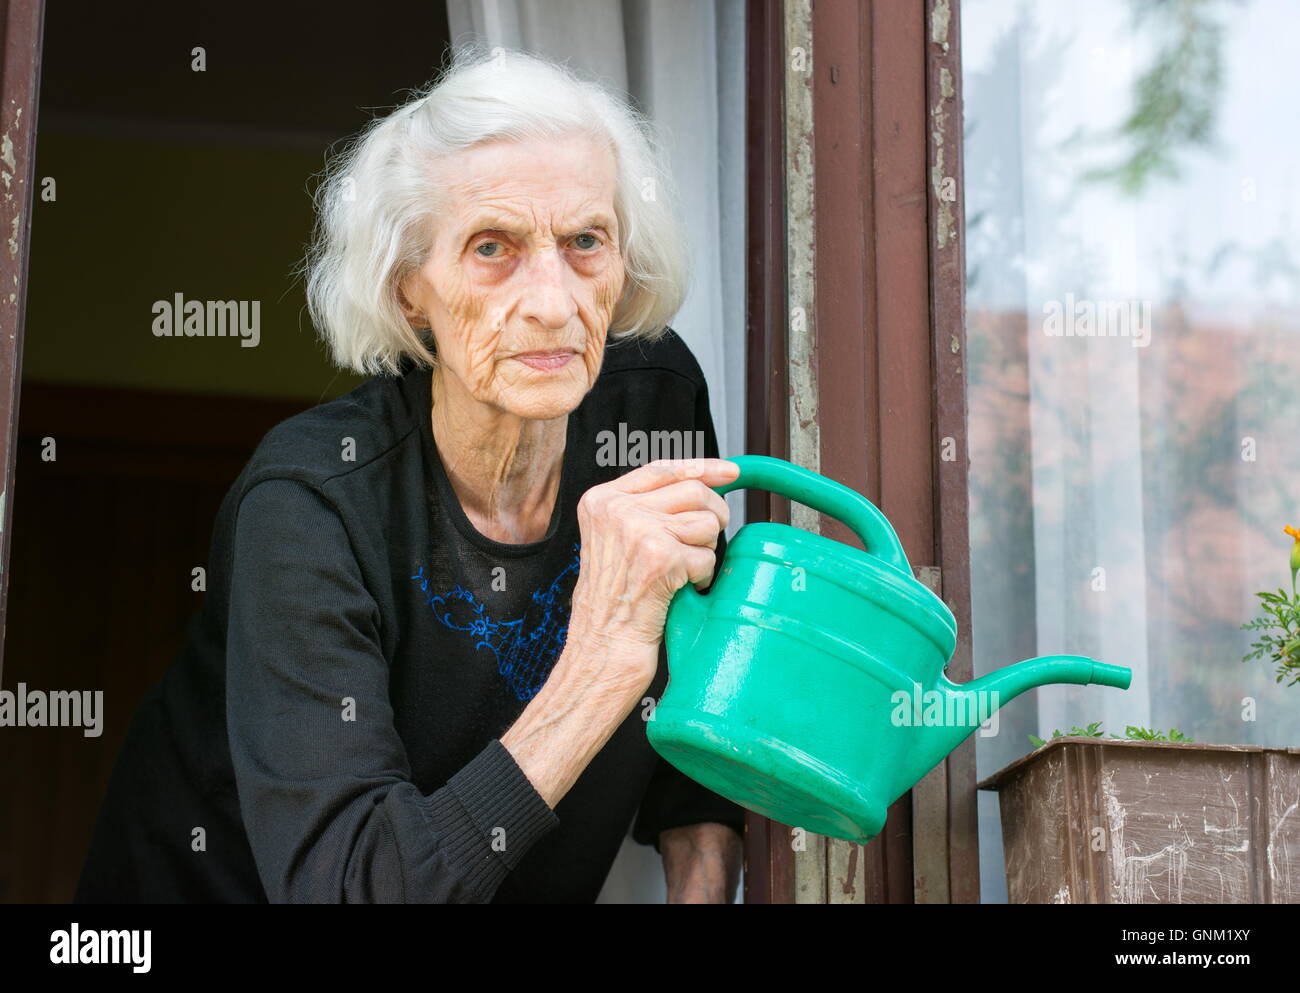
[{"x": 165, "y": 180}]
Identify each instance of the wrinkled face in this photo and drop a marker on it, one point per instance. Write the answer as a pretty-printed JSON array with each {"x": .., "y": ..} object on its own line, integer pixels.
[{"x": 524, "y": 272}]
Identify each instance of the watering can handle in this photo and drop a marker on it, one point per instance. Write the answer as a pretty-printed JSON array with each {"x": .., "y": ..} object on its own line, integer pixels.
[{"x": 761, "y": 472}]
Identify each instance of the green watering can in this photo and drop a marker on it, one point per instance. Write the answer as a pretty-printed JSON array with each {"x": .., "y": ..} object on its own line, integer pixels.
[{"x": 808, "y": 684}]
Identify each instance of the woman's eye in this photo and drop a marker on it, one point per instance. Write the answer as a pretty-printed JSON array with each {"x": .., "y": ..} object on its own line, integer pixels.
[
  {"x": 487, "y": 244},
  {"x": 594, "y": 240}
]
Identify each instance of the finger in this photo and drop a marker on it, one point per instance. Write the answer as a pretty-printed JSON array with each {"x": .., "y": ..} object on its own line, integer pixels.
[
  {"x": 663, "y": 472},
  {"x": 694, "y": 527},
  {"x": 690, "y": 494},
  {"x": 700, "y": 563}
]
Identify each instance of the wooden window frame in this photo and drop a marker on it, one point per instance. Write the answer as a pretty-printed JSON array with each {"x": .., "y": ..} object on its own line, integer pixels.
[
  {"x": 20, "y": 71},
  {"x": 889, "y": 347}
]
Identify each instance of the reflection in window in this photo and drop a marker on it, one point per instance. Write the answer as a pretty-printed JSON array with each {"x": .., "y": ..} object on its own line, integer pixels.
[{"x": 1132, "y": 176}]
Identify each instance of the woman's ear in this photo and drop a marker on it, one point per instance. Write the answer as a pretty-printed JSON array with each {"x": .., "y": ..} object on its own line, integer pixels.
[{"x": 414, "y": 315}]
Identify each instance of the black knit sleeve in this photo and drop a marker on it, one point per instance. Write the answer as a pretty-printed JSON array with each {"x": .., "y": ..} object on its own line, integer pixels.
[
  {"x": 323, "y": 778},
  {"x": 672, "y": 799}
]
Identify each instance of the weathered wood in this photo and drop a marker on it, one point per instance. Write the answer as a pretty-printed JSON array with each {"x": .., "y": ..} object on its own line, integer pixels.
[
  {"x": 846, "y": 872},
  {"x": 930, "y": 807},
  {"x": 22, "y": 22},
  {"x": 947, "y": 200},
  {"x": 1092, "y": 820},
  {"x": 810, "y": 869},
  {"x": 929, "y": 837},
  {"x": 811, "y": 866},
  {"x": 852, "y": 380}
]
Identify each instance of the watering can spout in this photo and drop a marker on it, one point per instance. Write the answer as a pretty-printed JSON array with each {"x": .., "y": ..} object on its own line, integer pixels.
[
  {"x": 1010, "y": 682},
  {"x": 968, "y": 705}
]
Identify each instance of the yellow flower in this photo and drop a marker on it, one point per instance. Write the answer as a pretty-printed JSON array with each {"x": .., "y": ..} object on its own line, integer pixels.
[{"x": 1295, "y": 555}]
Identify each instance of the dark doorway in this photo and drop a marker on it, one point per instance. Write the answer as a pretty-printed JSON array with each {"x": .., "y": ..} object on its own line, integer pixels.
[{"x": 175, "y": 149}]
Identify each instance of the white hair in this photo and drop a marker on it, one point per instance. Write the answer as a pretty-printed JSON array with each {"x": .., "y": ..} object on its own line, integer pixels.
[{"x": 379, "y": 201}]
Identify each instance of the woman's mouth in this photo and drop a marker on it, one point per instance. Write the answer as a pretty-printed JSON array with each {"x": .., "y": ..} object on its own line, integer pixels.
[{"x": 546, "y": 361}]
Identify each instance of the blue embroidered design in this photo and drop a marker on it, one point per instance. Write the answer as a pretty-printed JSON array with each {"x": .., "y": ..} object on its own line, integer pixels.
[{"x": 524, "y": 656}]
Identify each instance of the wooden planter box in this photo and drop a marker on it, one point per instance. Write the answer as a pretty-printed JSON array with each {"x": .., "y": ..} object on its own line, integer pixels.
[{"x": 1093, "y": 820}]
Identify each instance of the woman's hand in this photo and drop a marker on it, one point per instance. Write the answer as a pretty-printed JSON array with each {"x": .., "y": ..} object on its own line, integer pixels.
[{"x": 644, "y": 536}]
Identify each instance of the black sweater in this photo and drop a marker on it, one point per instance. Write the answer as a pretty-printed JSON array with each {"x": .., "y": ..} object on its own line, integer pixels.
[{"x": 330, "y": 730}]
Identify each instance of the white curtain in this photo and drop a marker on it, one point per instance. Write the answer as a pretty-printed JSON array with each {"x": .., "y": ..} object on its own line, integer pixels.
[
  {"x": 682, "y": 62},
  {"x": 1129, "y": 490}
]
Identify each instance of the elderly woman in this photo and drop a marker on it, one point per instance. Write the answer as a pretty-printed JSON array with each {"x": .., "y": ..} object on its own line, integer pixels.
[{"x": 434, "y": 623}]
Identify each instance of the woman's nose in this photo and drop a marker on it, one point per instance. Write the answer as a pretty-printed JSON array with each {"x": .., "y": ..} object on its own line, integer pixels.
[{"x": 548, "y": 295}]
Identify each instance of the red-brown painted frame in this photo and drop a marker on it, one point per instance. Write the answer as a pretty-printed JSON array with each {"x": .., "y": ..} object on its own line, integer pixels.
[
  {"x": 23, "y": 23},
  {"x": 948, "y": 337},
  {"x": 890, "y": 343},
  {"x": 769, "y": 864}
]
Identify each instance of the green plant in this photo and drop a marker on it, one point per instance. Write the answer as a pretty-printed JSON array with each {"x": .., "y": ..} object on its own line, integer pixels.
[
  {"x": 1131, "y": 733},
  {"x": 1093, "y": 730},
  {"x": 1280, "y": 625},
  {"x": 1146, "y": 734}
]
